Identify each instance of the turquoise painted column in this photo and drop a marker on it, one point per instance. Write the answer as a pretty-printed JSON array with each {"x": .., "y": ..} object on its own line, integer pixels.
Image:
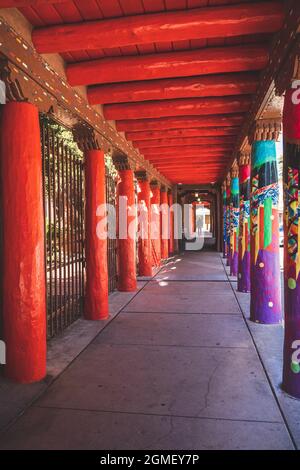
[{"x": 265, "y": 304}]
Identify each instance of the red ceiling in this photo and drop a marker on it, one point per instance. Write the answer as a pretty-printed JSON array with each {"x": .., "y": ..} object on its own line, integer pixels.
[{"x": 83, "y": 10}]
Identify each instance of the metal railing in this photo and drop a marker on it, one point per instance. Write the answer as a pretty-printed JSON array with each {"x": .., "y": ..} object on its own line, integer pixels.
[{"x": 63, "y": 187}]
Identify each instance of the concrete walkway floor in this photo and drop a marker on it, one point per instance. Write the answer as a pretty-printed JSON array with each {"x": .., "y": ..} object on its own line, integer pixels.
[{"x": 177, "y": 368}]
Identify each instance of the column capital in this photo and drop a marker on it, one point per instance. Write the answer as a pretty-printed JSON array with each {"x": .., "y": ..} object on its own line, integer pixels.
[
  {"x": 265, "y": 129},
  {"x": 85, "y": 137},
  {"x": 121, "y": 161},
  {"x": 9, "y": 76},
  {"x": 163, "y": 189},
  {"x": 235, "y": 170},
  {"x": 244, "y": 156},
  {"x": 155, "y": 184},
  {"x": 142, "y": 175}
]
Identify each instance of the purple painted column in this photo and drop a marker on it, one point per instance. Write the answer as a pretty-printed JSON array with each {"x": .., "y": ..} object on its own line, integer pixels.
[
  {"x": 228, "y": 192},
  {"x": 244, "y": 224},
  {"x": 234, "y": 220},
  {"x": 224, "y": 200},
  {"x": 291, "y": 179},
  {"x": 265, "y": 306}
]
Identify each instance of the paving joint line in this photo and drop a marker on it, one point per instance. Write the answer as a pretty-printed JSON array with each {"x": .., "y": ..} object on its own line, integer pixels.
[{"x": 213, "y": 418}]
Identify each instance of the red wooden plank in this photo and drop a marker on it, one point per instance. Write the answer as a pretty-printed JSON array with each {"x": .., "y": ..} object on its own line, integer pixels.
[
  {"x": 132, "y": 7},
  {"x": 89, "y": 9}
]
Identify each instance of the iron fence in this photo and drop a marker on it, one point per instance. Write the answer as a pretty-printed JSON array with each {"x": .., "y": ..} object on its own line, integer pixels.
[
  {"x": 111, "y": 242},
  {"x": 63, "y": 186}
]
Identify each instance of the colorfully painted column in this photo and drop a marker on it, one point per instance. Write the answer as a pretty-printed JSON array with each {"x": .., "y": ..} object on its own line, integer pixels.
[
  {"x": 155, "y": 225},
  {"x": 234, "y": 221},
  {"x": 228, "y": 213},
  {"x": 244, "y": 225},
  {"x": 265, "y": 306},
  {"x": 23, "y": 269},
  {"x": 224, "y": 200},
  {"x": 291, "y": 175},
  {"x": 144, "y": 243},
  {"x": 126, "y": 238},
  {"x": 164, "y": 223},
  {"x": 96, "y": 296},
  {"x": 171, "y": 222}
]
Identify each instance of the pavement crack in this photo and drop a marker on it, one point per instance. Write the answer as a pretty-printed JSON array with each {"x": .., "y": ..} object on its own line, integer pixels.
[{"x": 206, "y": 396}]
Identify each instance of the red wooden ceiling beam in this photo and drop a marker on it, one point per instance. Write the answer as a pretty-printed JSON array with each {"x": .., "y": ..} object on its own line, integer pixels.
[
  {"x": 194, "y": 177},
  {"x": 167, "y": 123},
  {"x": 188, "y": 87},
  {"x": 175, "y": 133},
  {"x": 26, "y": 3},
  {"x": 185, "y": 152},
  {"x": 196, "y": 166},
  {"x": 221, "y": 158},
  {"x": 204, "y": 158},
  {"x": 223, "y": 21},
  {"x": 180, "y": 107},
  {"x": 204, "y": 61},
  {"x": 184, "y": 141},
  {"x": 181, "y": 151},
  {"x": 190, "y": 171}
]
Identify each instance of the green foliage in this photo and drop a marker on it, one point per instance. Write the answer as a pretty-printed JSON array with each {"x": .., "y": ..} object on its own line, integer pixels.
[{"x": 64, "y": 135}]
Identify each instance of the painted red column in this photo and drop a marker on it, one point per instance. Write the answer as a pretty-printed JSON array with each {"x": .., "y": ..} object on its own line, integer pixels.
[
  {"x": 24, "y": 291},
  {"x": 171, "y": 222},
  {"x": 164, "y": 223},
  {"x": 155, "y": 225},
  {"x": 126, "y": 239},
  {"x": 96, "y": 297},
  {"x": 144, "y": 245}
]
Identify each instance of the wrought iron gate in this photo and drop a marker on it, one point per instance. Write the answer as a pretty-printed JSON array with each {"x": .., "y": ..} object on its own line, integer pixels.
[
  {"x": 64, "y": 226},
  {"x": 111, "y": 243}
]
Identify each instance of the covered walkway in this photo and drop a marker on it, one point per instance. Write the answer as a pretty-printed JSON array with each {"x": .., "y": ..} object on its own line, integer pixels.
[{"x": 178, "y": 368}]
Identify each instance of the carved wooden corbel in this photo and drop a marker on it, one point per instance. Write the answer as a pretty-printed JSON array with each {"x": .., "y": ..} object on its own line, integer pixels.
[
  {"x": 121, "y": 161},
  {"x": 245, "y": 156},
  {"x": 20, "y": 87},
  {"x": 142, "y": 175},
  {"x": 154, "y": 183},
  {"x": 235, "y": 170},
  {"x": 265, "y": 129},
  {"x": 85, "y": 137}
]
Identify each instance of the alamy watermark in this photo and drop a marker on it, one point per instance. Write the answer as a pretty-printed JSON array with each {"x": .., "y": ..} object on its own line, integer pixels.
[
  {"x": 296, "y": 93},
  {"x": 2, "y": 352},
  {"x": 135, "y": 222}
]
